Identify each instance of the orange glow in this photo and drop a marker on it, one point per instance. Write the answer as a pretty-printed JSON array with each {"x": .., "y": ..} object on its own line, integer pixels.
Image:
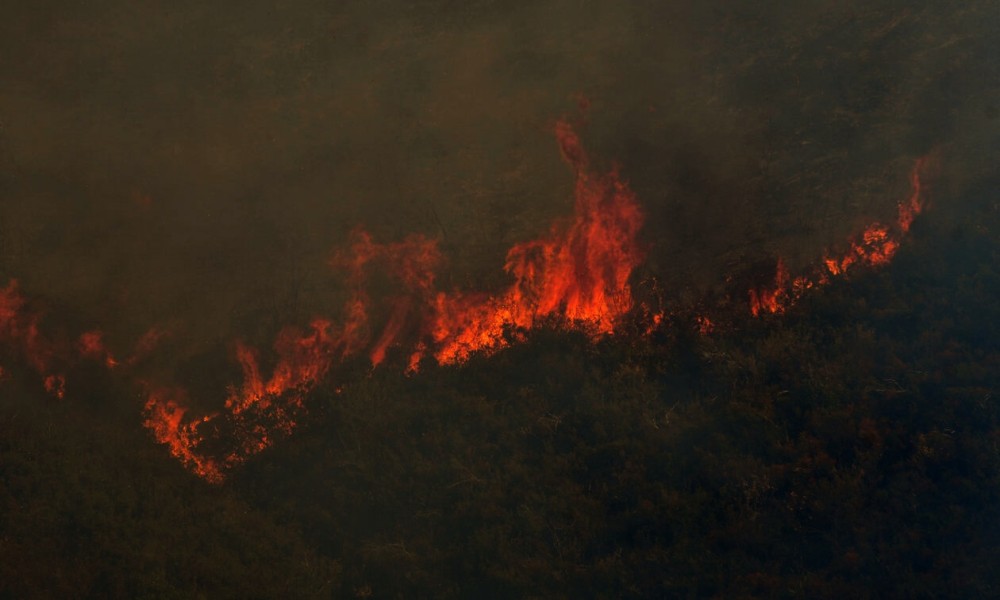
[
  {"x": 914, "y": 205},
  {"x": 254, "y": 413},
  {"x": 411, "y": 264},
  {"x": 260, "y": 410},
  {"x": 91, "y": 345},
  {"x": 11, "y": 302},
  {"x": 577, "y": 273},
  {"x": 164, "y": 414},
  {"x": 705, "y": 325},
  {"x": 876, "y": 246},
  {"x": 390, "y": 332},
  {"x": 19, "y": 330},
  {"x": 771, "y": 299},
  {"x": 55, "y": 385}
]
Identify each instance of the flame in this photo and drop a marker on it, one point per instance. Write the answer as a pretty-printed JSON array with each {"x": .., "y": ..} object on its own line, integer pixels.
[
  {"x": 20, "y": 331},
  {"x": 260, "y": 410},
  {"x": 576, "y": 273},
  {"x": 391, "y": 331},
  {"x": 771, "y": 298},
  {"x": 876, "y": 246},
  {"x": 412, "y": 263},
  {"x": 164, "y": 417},
  {"x": 303, "y": 362}
]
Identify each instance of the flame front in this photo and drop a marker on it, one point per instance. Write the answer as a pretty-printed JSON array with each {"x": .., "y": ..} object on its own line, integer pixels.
[
  {"x": 577, "y": 273},
  {"x": 876, "y": 246}
]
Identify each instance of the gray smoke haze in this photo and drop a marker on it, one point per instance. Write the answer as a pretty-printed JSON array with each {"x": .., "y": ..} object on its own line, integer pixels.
[{"x": 196, "y": 162}]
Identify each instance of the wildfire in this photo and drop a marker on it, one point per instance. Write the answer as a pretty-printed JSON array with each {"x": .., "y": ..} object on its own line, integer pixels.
[
  {"x": 773, "y": 297},
  {"x": 260, "y": 407},
  {"x": 578, "y": 273},
  {"x": 876, "y": 246},
  {"x": 260, "y": 410},
  {"x": 411, "y": 263},
  {"x": 164, "y": 415}
]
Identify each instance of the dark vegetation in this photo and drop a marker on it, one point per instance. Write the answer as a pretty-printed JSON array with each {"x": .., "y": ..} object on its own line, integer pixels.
[{"x": 850, "y": 448}]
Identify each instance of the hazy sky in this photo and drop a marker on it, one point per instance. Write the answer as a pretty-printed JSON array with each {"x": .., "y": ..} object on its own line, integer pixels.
[{"x": 198, "y": 162}]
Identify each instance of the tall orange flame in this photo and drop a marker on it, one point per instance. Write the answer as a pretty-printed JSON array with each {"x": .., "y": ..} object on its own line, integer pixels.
[{"x": 578, "y": 273}]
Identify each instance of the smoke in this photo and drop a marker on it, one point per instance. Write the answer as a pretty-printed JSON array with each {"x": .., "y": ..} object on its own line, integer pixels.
[{"x": 192, "y": 166}]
